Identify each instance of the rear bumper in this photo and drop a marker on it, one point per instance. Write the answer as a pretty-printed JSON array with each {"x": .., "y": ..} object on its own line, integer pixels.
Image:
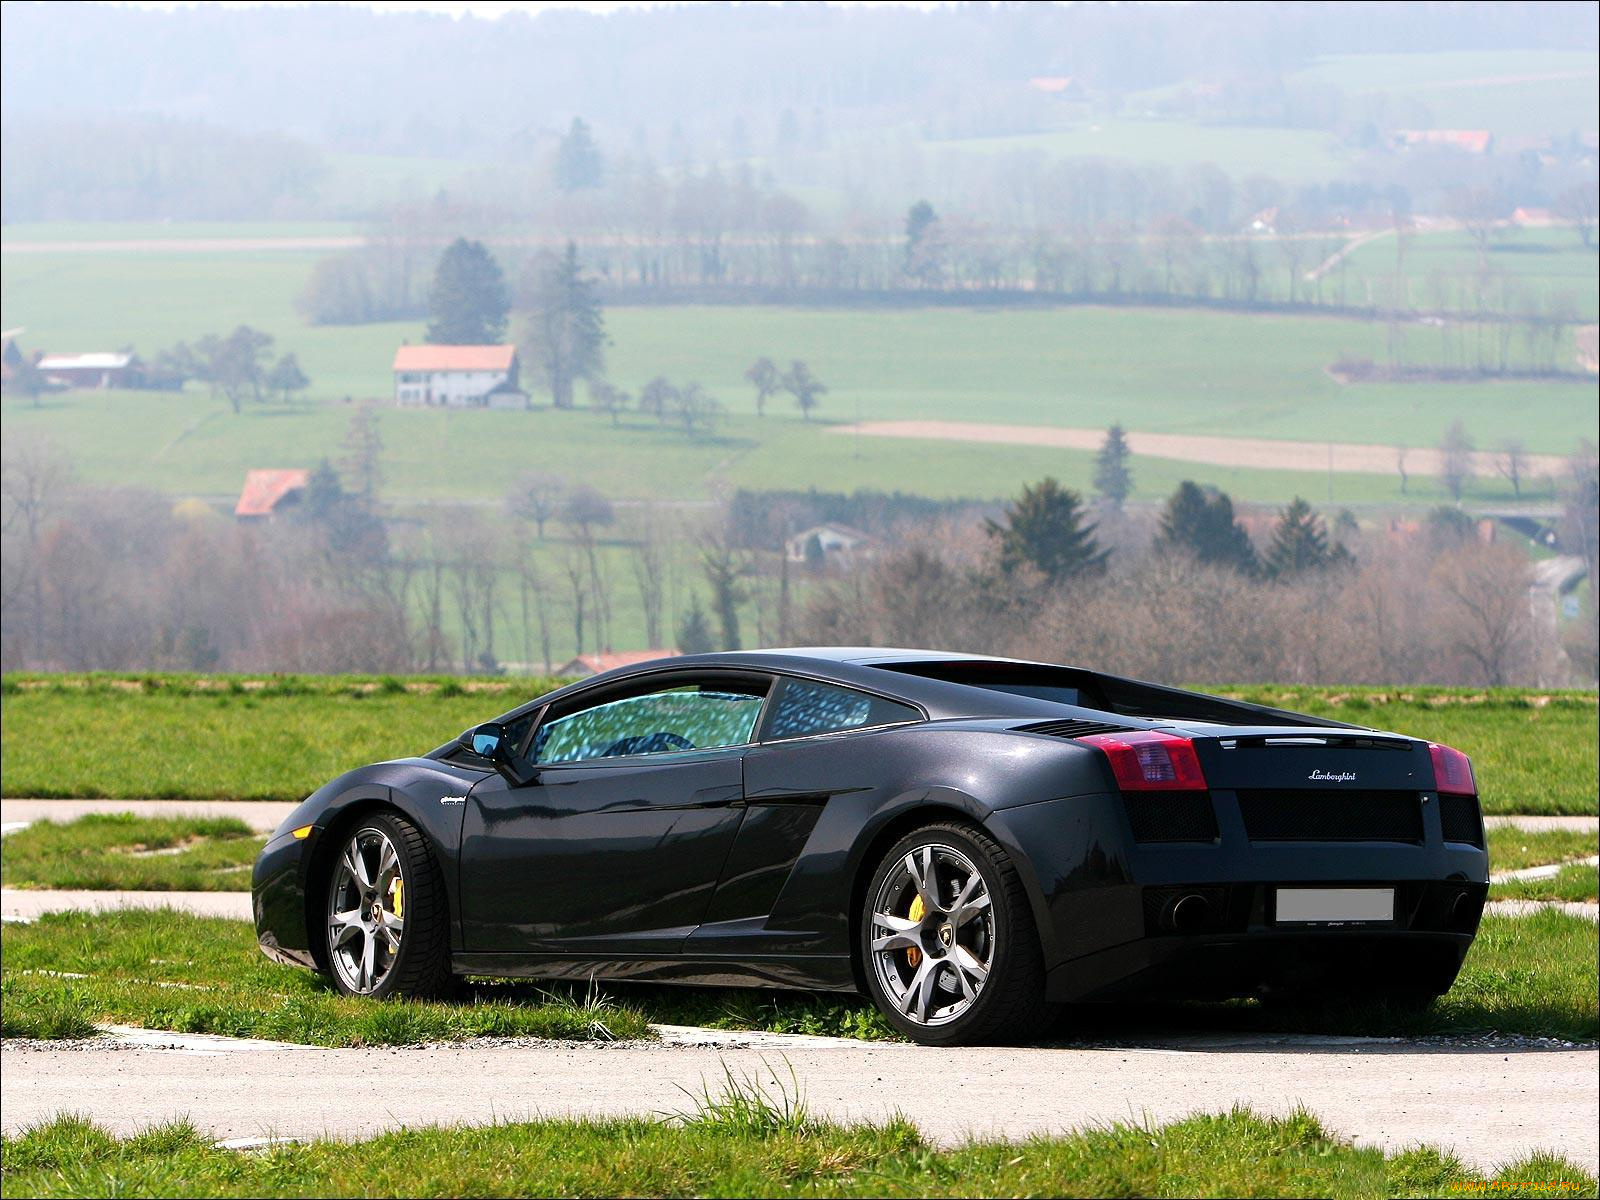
[{"x": 1104, "y": 906}]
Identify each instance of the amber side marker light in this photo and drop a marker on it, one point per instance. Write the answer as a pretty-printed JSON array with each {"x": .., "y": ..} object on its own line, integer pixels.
[{"x": 303, "y": 832}]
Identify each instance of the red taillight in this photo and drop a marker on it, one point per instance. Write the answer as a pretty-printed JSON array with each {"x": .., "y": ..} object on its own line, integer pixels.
[
  {"x": 1452, "y": 771},
  {"x": 1147, "y": 761}
]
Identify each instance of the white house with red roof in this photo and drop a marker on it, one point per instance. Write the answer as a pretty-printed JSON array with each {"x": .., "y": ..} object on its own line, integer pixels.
[{"x": 458, "y": 377}]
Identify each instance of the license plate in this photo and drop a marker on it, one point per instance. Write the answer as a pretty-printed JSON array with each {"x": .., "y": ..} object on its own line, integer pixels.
[{"x": 1334, "y": 906}]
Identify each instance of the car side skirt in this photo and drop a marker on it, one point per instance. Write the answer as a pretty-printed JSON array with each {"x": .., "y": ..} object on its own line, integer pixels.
[{"x": 815, "y": 973}]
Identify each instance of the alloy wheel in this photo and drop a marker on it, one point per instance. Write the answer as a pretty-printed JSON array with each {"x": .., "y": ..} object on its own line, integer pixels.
[
  {"x": 366, "y": 911},
  {"x": 933, "y": 934}
]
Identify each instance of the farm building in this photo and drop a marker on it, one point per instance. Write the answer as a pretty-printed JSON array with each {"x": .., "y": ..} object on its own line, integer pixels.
[
  {"x": 829, "y": 543},
  {"x": 1473, "y": 141},
  {"x": 101, "y": 369},
  {"x": 593, "y": 664},
  {"x": 267, "y": 493},
  {"x": 458, "y": 377}
]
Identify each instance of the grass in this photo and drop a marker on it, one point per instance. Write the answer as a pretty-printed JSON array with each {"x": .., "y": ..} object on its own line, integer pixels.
[
  {"x": 1531, "y": 975},
  {"x": 187, "y": 737},
  {"x": 166, "y": 970},
  {"x": 122, "y": 852},
  {"x": 1579, "y": 883},
  {"x": 740, "y": 1144},
  {"x": 1513, "y": 849}
]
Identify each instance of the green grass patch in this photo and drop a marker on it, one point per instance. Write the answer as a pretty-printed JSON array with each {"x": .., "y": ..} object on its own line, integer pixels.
[
  {"x": 1578, "y": 884},
  {"x": 742, "y": 1143},
  {"x": 1529, "y": 975},
  {"x": 195, "y": 737},
  {"x": 122, "y": 852},
  {"x": 1511, "y": 849},
  {"x": 167, "y": 970}
]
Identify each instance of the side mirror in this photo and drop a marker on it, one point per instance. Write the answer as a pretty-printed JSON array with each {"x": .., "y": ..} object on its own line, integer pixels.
[{"x": 488, "y": 741}]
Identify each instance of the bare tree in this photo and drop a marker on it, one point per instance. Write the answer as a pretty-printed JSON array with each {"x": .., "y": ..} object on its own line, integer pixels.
[
  {"x": 1487, "y": 618},
  {"x": 647, "y": 560},
  {"x": 1512, "y": 462},
  {"x": 1455, "y": 460},
  {"x": 537, "y": 496}
]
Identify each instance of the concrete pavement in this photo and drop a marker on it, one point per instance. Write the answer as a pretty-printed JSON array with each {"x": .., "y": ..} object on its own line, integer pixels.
[
  {"x": 1485, "y": 1105},
  {"x": 263, "y": 816}
]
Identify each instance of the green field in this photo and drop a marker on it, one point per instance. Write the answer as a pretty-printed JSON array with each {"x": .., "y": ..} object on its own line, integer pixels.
[
  {"x": 1508, "y": 91},
  {"x": 198, "y": 737},
  {"x": 122, "y": 852},
  {"x": 749, "y": 1139}
]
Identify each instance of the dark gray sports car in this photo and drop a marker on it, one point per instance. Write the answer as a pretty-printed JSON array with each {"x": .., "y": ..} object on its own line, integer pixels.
[{"x": 969, "y": 841}]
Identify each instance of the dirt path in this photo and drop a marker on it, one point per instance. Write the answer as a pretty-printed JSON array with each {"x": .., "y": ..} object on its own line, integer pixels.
[
  {"x": 1255, "y": 453},
  {"x": 1487, "y": 1106}
]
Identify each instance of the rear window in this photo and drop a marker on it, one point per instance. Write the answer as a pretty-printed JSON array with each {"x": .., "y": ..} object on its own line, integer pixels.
[
  {"x": 1060, "y": 685},
  {"x": 802, "y": 708}
]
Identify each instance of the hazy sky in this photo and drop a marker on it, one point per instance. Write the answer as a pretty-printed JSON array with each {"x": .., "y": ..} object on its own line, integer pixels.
[{"x": 487, "y": 8}]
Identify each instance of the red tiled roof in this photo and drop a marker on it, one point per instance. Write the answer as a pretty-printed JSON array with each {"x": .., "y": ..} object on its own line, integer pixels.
[
  {"x": 610, "y": 660},
  {"x": 454, "y": 358},
  {"x": 264, "y": 490}
]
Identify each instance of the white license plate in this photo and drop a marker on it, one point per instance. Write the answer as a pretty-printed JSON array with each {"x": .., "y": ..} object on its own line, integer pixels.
[{"x": 1302, "y": 906}]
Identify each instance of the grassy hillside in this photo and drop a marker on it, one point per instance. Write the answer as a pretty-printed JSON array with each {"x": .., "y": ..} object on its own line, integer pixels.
[{"x": 205, "y": 737}]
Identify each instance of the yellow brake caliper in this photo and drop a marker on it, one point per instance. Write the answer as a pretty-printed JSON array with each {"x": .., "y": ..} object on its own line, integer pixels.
[
  {"x": 914, "y": 955},
  {"x": 397, "y": 892}
]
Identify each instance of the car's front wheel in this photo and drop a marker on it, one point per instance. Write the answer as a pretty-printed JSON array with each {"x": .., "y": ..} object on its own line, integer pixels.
[
  {"x": 950, "y": 950},
  {"x": 387, "y": 929}
]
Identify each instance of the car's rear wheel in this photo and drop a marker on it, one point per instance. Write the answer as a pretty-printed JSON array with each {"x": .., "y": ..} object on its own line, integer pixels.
[
  {"x": 386, "y": 921},
  {"x": 948, "y": 942}
]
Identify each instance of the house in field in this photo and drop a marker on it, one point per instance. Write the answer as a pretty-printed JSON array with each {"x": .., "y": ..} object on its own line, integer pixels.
[
  {"x": 268, "y": 493},
  {"x": 594, "y": 664},
  {"x": 1473, "y": 141},
  {"x": 830, "y": 543},
  {"x": 458, "y": 377},
  {"x": 101, "y": 369}
]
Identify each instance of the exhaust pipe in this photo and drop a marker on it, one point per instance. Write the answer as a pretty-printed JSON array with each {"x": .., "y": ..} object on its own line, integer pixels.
[{"x": 1188, "y": 914}]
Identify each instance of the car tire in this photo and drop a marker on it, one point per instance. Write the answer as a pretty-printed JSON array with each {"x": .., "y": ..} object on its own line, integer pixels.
[
  {"x": 384, "y": 915},
  {"x": 956, "y": 961}
]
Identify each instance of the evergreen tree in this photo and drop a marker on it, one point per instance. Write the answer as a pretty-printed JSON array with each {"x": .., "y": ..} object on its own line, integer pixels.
[
  {"x": 578, "y": 164},
  {"x": 694, "y": 633},
  {"x": 1201, "y": 522},
  {"x": 324, "y": 493},
  {"x": 922, "y": 242},
  {"x": 566, "y": 335},
  {"x": 468, "y": 303},
  {"x": 1112, "y": 478},
  {"x": 1300, "y": 543},
  {"x": 1045, "y": 529}
]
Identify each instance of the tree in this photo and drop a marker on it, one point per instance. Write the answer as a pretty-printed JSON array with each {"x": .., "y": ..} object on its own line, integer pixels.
[
  {"x": 763, "y": 376},
  {"x": 1455, "y": 460},
  {"x": 1480, "y": 212},
  {"x": 1300, "y": 543},
  {"x": 566, "y": 334},
  {"x": 1512, "y": 462},
  {"x": 468, "y": 303},
  {"x": 1201, "y": 522},
  {"x": 694, "y": 631},
  {"x": 537, "y": 496},
  {"x": 286, "y": 376},
  {"x": 324, "y": 492},
  {"x": 658, "y": 398},
  {"x": 1578, "y": 204},
  {"x": 695, "y": 407},
  {"x": 578, "y": 163},
  {"x": 1044, "y": 528},
  {"x": 805, "y": 387},
  {"x": 725, "y": 570},
  {"x": 924, "y": 243},
  {"x": 1112, "y": 479},
  {"x": 608, "y": 400},
  {"x": 364, "y": 460},
  {"x": 233, "y": 364}
]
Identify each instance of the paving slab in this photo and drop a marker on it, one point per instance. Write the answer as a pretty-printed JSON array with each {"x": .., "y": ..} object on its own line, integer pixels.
[
  {"x": 1535, "y": 824},
  {"x": 24, "y": 904},
  {"x": 263, "y": 816},
  {"x": 1485, "y": 1105}
]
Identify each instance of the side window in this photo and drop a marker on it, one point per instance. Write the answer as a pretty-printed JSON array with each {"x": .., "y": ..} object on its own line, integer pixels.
[
  {"x": 693, "y": 717},
  {"x": 803, "y": 708}
]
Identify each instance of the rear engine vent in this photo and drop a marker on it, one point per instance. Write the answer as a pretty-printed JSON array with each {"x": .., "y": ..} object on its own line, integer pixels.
[
  {"x": 1070, "y": 728},
  {"x": 1461, "y": 820},
  {"x": 1331, "y": 816},
  {"x": 1171, "y": 816}
]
